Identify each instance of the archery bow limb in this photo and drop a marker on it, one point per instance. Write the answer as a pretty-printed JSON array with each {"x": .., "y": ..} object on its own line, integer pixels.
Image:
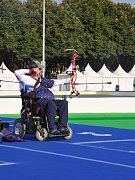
[{"x": 73, "y": 72}]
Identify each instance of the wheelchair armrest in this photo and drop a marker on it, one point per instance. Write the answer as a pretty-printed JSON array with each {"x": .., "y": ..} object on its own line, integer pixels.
[{"x": 30, "y": 97}]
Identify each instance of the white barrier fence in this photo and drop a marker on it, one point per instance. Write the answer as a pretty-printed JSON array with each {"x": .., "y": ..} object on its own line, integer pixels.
[{"x": 12, "y": 105}]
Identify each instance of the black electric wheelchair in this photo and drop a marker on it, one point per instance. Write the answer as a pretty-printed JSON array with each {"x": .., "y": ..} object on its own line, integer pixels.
[{"x": 34, "y": 121}]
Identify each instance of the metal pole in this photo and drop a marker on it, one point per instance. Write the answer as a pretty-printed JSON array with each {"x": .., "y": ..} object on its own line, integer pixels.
[{"x": 43, "y": 60}]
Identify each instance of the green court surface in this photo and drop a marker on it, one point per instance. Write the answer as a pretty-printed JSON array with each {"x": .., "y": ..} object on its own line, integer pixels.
[{"x": 116, "y": 120}]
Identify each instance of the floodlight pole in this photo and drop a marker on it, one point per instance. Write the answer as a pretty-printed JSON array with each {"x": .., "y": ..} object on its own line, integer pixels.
[{"x": 43, "y": 57}]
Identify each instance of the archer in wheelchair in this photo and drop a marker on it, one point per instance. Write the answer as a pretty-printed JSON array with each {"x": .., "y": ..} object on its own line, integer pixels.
[{"x": 41, "y": 113}]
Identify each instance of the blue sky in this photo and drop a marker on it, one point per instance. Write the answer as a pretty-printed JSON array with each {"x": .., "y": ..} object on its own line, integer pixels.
[{"x": 132, "y": 2}]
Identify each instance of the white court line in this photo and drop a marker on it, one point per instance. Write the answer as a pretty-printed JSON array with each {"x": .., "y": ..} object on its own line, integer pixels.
[
  {"x": 108, "y": 141},
  {"x": 97, "y": 147},
  {"x": 132, "y": 151},
  {"x": 3, "y": 163},
  {"x": 70, "y": 156}
]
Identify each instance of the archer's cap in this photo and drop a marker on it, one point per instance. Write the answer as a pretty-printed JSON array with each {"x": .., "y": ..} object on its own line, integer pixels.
[
  {"x": 39, "y": 65},
  {"x": 36, "y": 64}
]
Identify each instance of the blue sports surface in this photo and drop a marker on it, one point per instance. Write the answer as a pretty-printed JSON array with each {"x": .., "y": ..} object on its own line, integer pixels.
[{"x": 93, "y": 153}]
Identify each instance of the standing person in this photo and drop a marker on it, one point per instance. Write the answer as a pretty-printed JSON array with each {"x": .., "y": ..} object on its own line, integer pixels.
[{"x": 28, "y": 78}]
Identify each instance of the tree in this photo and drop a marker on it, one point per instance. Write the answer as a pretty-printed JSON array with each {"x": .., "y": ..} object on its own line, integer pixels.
[{"x": 100, "y": 30}]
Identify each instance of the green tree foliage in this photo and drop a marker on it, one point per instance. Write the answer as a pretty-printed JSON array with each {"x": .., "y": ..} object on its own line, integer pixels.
[
  {"x": 101, "y": 31},
  {"x": 63, "y": 30},
  {"x": 11, "y": 18},
  {"x": 107, "y": 31},
  {"x": 21, "y": 30}
]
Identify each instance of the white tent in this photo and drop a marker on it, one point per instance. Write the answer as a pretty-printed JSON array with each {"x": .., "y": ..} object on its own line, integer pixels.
[
  {"x": 105, "y": 72},
  {"x": 107, "y": 77},
  {"x": 5, "y": 71},
  {"x": 132, "y": 71},
  {"x": 9, "y": 85},
  {"x": 90, "y": 72},
  {"x": 120, "y": 72},
  {"x": 93, "y": 79},
  {"x": 125, "y": 81}
]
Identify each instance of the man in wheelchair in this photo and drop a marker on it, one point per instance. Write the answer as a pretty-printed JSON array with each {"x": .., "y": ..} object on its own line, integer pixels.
[{"x": 45, "y": 101}]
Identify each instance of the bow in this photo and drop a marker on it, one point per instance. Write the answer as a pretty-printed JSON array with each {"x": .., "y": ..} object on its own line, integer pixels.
[{"x": 73, "y": 73}]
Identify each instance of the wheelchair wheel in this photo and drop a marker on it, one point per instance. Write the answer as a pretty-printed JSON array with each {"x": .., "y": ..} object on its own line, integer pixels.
[
  {"x": 42, "y": 134},
  {"x": 70, "y": 134},
  {"x": 19, "y": 127}
]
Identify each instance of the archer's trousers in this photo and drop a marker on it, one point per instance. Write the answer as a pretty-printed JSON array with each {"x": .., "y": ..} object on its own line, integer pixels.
[{"x": 53, "y": 106}]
